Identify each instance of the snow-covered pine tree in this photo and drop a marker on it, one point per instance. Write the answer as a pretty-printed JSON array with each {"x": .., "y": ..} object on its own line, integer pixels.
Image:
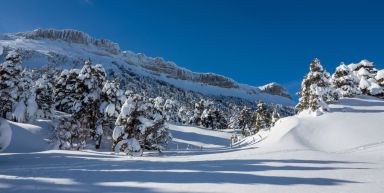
[
  {"x": 69, "y": 134},
  {"x": 262, "y": 118},
  {"x": 275, "y": 116},
  {"x": 245, "y": 121},
  {"x": 44, "y": 97},
  {"x": 10, "y": 74},
  {"x": 380, "y": 82},
  {"x": 316, "y": 91},
  {"x": 139, "y": 126},
  {"x": 126, "y": 134},
  {"x": 170, "y": 110},
  {"x": 112, "y": 98},
  {"x": 87, "y": 108},
  {"x": 198, "y": 110},
  {"x": 17, "y": 97},
  {"x": 26, "y": 107},
  {"x": 366, "y": 72},
  {"x": 213, "y": 118},
  {"x": 156, "y": 135},
  {"x": 345, "y": 82},
  {"x": 380, "y": 78},
  {"x": 65, "y": 88}
]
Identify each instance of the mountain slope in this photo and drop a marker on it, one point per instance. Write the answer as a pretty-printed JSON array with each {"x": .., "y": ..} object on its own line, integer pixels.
[{"x": 69, "y": 48}]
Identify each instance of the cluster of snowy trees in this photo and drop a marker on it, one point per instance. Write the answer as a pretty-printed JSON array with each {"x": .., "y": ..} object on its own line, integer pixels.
[
  {"x": 90, "y": 105},
  {"x": 319, "y": 88},
  {"x": 87, "y": 107},
  {"x": 250, "y": 122}
]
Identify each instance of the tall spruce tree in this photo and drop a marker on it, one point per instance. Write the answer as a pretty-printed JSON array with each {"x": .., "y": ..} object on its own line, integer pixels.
[{"x": 316, "y": 91}]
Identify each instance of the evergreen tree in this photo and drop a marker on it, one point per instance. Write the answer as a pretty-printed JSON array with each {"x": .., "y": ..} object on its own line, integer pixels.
[
  {"x": 245, "y": 121},
  {"x": 345, "y": 81},
  {"x": 380, "y": 78},
  {"x": 214, "y": 119},
  {"x": 17, "y": 98},
  {"x": 262, "y": 118},
  {"x": 139, "y": 126},
  {"x": 112, "y": 98},
  {"x": 44, "y": 97},
  {"x": 87, "y": 108},
  {"x": 10, "y": 74},
  {"x": 275, "y": 116},
  {"x": 316, "y": 91},
  {"x": 69, "y": 133},
  {"x": 66, "y": 90}
]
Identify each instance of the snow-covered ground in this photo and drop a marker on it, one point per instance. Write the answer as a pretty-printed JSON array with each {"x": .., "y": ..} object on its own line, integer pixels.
[{"x": 340, "y": 151}]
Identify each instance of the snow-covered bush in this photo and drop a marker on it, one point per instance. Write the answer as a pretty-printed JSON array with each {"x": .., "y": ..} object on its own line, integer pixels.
[{"x": 316, "y": 91}]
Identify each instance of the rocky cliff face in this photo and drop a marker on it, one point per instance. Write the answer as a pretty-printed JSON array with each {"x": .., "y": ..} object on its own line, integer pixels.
[{"x": 275, "y": 89}]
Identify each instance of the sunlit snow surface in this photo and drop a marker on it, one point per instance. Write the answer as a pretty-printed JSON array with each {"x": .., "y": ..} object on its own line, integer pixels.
[{"x": 340, "y": 151}]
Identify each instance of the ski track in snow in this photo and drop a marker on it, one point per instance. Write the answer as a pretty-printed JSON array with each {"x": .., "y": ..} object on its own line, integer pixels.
[{"x": 288, "y": 159}]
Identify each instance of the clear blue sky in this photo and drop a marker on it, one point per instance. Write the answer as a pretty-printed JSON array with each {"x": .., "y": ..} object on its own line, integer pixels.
[{"x": 253, "y": 42}]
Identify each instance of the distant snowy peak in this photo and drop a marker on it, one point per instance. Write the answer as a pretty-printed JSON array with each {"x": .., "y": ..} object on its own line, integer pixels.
[
  {"x": 275, "y": 89},
  {"x": 68, "y": 48}
]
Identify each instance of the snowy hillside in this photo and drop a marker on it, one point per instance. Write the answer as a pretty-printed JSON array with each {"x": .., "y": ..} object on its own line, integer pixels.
[
  {"x": 339, "y": 151},
  {"x": 352, "y": 124},
  {"x": 69, "y": 48}
]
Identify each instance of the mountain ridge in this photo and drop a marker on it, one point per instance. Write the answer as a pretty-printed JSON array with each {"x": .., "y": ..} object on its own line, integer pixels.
[{"x": 69, "y": 48}]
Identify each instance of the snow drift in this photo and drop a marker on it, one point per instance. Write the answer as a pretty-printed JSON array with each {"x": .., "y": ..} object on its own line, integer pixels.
[
  {"x": 5, "y": 134},
  {"x": 28, "y": 137},
  {"x": 351, "y": 124}
]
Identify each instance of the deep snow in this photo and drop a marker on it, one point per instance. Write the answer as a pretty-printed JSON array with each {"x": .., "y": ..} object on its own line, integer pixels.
[{"x": 340, "y": 151}]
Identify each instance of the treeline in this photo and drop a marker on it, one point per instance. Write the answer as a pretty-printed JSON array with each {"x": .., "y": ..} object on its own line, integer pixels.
[{"x": 319, "y": 88}]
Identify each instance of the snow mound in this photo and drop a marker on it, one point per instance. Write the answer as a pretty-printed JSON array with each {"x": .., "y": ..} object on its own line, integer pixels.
[
  {"x": 352, "y": 123},
  {"x": 29, "y": 138},
  {"x": 5, "y": 134}
]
